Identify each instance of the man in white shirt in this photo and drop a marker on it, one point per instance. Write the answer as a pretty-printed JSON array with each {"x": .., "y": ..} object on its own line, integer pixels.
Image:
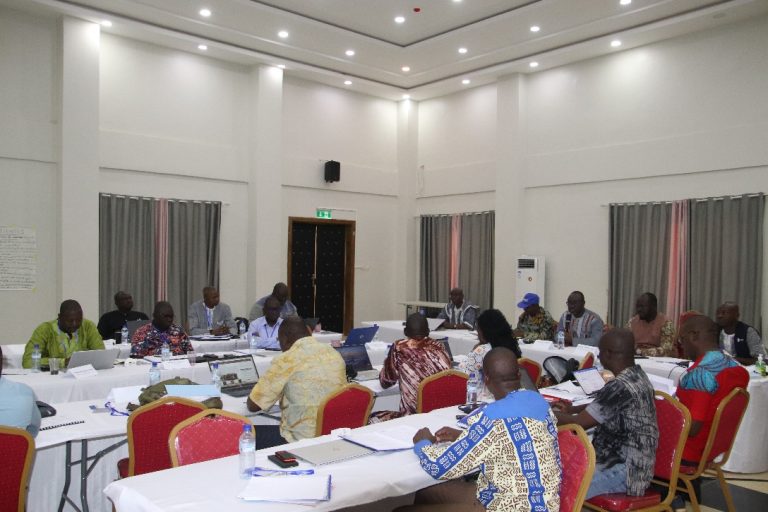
[
  {"x": 210, "y": 316},
  {"x": 266, "y": 327},
  {"x": 17, "y": 405}
]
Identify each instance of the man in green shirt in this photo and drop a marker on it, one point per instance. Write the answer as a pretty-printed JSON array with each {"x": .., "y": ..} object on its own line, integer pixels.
[{"x": 61, "y": 337}]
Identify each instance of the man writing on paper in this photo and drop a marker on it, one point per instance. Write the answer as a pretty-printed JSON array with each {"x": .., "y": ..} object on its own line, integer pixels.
[
  {"x": 513, "y": 441},
  {"x": 17, "y": 404},
  {"x": 266, "y": 327},
  {"x": 457, "y": 313},
  {"x": 300, "y": 378},
  {"x": 148, "y": 339},
  {"x": 210, "y": 316},
  {"x": 61, "y": 337},
  {"x": 580, "y": 325}
]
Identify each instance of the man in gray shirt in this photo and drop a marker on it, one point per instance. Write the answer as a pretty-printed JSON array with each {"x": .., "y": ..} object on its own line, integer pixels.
[
  {"x": 210, "y": 316},
  {"x": 580, "y": 325}
]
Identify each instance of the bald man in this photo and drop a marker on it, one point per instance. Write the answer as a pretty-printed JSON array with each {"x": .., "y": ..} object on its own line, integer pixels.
[
  {"x": 501, "y": 439},
  {"x": 704, "y": 385},
  {"x": 626, "y": 433},
  {"x": 740, "y": 340},
  {"x": 281, "y": 293}
]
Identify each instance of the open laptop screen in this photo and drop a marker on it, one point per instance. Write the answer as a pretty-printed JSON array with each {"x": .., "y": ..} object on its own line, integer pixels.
[
  {"x": 356, "y": 356},
  {"x": 590, "y": 380},
  {"x": 361, "y": 335},
  {"x": 235, "y": 372}
]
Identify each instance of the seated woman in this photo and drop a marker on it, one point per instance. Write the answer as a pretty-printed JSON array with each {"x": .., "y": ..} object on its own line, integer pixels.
[
  {"x": 410, "y": 361},
  {"x": 493, "y": 331}
]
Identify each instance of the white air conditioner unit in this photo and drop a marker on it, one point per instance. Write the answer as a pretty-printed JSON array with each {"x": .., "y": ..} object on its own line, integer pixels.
[{"x": 530, "y": 277}]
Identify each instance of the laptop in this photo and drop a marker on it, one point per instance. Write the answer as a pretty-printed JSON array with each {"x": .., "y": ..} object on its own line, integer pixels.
[
  {"x": 328, "y": 453},
  {"x": 447, "y": 348},
  {"x": 590, "y": 380},
  {"x": 361, "y": 335},
  {"x": 132, "y": 326},
  {"x": 238, "y": 375},
  {"x": 356, "y": 356},
  {"x": 311, "y": 323},
  {"x": 99, "y": 359},
  {"x": 434, "y": 323}
]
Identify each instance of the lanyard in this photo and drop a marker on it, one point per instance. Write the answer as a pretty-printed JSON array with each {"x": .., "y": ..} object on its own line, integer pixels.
[
  {"x": 269, "y": 335},
  {"x": 209, "y": 317},
  {"x": 67, "y": 345}
]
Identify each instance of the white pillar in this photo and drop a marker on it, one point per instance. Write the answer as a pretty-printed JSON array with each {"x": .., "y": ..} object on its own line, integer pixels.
[{"x": 79, "y": 165}]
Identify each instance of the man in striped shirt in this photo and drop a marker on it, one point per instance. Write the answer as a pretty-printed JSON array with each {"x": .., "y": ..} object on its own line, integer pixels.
[{"x": 580, "y": 325}]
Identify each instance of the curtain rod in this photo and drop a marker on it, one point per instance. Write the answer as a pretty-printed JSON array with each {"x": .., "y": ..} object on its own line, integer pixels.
[
  {"x": 167, "y": 199},
  {"x": 697, "y": 199},
  {"x": 452, "y": 214}
]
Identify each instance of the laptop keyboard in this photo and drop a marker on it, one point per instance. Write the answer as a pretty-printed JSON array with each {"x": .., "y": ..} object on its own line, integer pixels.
[
  {"x": 238, "y": 391},
  {"x": 367, "y": 375}
]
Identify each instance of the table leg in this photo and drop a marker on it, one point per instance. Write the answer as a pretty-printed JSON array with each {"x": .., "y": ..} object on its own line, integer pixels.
[
  {"x": 67, "y": 476},
  {"x": 84, "y": 474}
]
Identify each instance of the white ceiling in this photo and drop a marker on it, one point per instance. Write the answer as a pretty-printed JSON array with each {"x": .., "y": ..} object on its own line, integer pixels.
[{"x": 496, "y": 34}]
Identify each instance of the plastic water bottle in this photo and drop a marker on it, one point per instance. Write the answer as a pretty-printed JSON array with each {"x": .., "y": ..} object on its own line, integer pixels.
[
  {"x": 36, "y": 358},
  {"x": 241, "y": 329},
  {"x": 154, "y": 374},
  {"x": 560, "y": 340},
  {"x": 215, "y": 377},
  {"x": 165, "y": 352},
  {"x": 124, "y": 335},
  {"x": 473, "y": 386},
  {"x": 760, "y": 365},
  {"x": 247, "y": 452},
  {"x": 253, "y": 342}
]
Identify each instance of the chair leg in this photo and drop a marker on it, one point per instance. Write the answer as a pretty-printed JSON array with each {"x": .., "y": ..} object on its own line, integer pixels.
[
  {"x": 691, "y": 494},
  {"x": 725, "y": 488}
]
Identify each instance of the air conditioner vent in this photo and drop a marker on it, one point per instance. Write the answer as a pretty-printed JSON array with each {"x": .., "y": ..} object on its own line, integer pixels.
[{"x": 526, "y": 263}]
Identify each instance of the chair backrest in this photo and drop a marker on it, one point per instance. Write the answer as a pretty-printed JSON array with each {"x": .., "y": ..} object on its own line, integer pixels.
[
  {"x": 559, "y": 368},
  {"x": 535, "y": 372},
  {"x": 577, "y": 458},
  {"x": 674, "y": 423},
  {"x": 725, "y": 425},
  {"x": 588, "y": 361},
  {"x": 442, "y": 389},
  {"x": 210, "y": 434},
  {"x": 148, "y": 429},
  {"x": 17, "y": 447},
  {"x": 349, "y": 406}
]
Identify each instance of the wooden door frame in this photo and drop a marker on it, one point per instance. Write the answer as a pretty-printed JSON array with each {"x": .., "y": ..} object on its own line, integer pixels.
[{"x": 349, "y": 263}]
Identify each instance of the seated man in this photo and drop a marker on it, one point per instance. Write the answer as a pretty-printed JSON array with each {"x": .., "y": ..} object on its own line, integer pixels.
[
  {"x": 280, "y": 291},
  {"x": 580, "y": 325},
  {"x": 111, "y": 323},
  {"x": 410, "y": 361},
  {"x": 300, "y": 378},
  {"x": 17, "y": 404},
  {"x": 61, "y": 337},
  {"x": 535, "y": 323},
  {"x": 457, "y": 313},
  {"x": 740, "y": 340},
  {"x": 266, "y": 327},
  {"x": 209, "y": 316},
  {"x": 148, "y": 339},
  {"x": 624, "y": 414},
  {"x": 653, "y": 331},
  {"x": 513, "y": 441},
  {"x": 704, "y": 385}
]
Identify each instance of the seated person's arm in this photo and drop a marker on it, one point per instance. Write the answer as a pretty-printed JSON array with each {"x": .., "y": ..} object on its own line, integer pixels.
[
  {"x": 39, "y": 337},
  {"x": 388, "y": 376},
  {"x": 92, "y": 337},
  {"x": 755, "y": 345},
  {"x": 469, "y": 319},
  {"x": 578, "y": 415},
  {"x": 194, "y": 324},
  {"x": 270, "y": 387},
  {"x": 462, "y": 461}
]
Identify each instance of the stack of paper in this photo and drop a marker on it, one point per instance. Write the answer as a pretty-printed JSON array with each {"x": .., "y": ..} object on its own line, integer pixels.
[
  {"x": 300, "y": 489},
  {"x": 397, "y": 438}
]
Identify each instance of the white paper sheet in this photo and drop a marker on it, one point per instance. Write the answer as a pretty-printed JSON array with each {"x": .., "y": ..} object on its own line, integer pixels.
[
  {"x": 398, "y": 438},
  {"x": 303, "y": 489}
]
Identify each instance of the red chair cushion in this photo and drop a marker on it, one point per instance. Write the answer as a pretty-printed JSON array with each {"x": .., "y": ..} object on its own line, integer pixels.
[
  {"x": 619, "y": 501},
  {"x": 346, "y": 410},
  {"x": 122, "y": 468},
  {"x": 575, "y": 462},
  {"x": 209, "y": 438},
  {"x": 443, "y": 392},
  {"x": 14, "y": 452}
]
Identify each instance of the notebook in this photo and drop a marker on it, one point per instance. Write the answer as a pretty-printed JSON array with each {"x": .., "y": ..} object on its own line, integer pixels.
[
  {"x": 328, "y": 453},
  {"x": 590, "y": 380},
  {"x": 361, "y": 335},
  {"x": 99, "y": 359},
  {"x": 238, "y": 375},
  {"x": 356, "y": 356},
  {"x": 434, "y": 323}
]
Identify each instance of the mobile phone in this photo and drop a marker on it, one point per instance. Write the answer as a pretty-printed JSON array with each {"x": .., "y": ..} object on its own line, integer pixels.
[
  {"x": 283, "y": 464},
  {"x": 467, "y": 408},
  {"x": 285, "y": 456},
  {"x": 98, "y": 409},
  {"x": 461, "y": 416}
]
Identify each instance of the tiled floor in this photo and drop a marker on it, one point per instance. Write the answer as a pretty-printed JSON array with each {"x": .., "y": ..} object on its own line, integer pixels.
[{"x": 750, "y": 493}]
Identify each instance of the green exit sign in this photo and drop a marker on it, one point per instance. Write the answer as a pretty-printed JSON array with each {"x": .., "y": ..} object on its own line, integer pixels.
[{"x": 322, "y": 214}]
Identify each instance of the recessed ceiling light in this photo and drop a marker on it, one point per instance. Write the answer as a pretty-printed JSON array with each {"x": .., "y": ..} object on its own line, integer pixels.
[
  {"x": 281, "y": 66},
  {"x": 625, "y": 2},
  {"x": 106, "y": 23},
  {"x": 282, "y": 34},
  {"x": 202, "y": 47},
  {"x": 399, "y": 19},
  {"x": 615, "y": 43},
  {"x": 405, "y": 69},
  {"x": 347, "y": 82},
  {"x": 535, "y": 28},
  {"x": 456, "y": 1},
  {"x": 533, "y": 64},
  {"x": 462, "y": 50},
  {"x": 466, "y": 81},
  {"x": 350, "y": 53},
  {"x": 406, "y": 96},
  {"x": 205, "y": 13}
]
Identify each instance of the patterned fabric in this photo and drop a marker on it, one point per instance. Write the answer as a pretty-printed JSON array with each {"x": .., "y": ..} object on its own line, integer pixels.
[
  {"x": 514, "y": 444},
  {"x": 585, "y": 330},
  {"x": 465, "y": 314},
  {"x": 17, "y": 406},
  {"x": 540, "y": 326},
  {"x": 627, "y": 431},
  {"x": 300, "y": 378},
  {"x": 702, "y": 387},
  {"x": 410, "y": 361},
  {"x": 55, "y": 343},
  {"x": 148, "y": 341},
  {"x": 656, "y": 338}
]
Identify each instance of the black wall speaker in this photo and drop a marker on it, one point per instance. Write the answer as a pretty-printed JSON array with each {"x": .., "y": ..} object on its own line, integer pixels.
[{"x": 332, "y": 171}]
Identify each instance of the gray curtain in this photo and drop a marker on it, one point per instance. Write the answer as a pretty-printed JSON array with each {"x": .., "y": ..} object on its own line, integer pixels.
[
  {"x": 726, "y": 253},
  {"x": 435, "y": 264},
  {"x": 476, "y": 258},
  {"x": 126, "y": 251},
  {"x": 193, "y": 252},
  {"x": 639, "y": 245}
]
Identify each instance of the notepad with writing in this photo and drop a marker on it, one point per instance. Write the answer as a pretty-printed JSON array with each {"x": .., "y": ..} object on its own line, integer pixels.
[
  {"x": 300, "y": 489},
  {"x": 396, "y": 438}
]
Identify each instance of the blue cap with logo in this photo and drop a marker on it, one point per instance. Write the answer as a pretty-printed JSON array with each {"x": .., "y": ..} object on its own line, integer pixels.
[{"x": 528, "y": 300}]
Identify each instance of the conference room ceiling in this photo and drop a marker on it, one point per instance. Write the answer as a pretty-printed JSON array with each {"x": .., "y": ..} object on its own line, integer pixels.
[{"x": 496, "y": 34}]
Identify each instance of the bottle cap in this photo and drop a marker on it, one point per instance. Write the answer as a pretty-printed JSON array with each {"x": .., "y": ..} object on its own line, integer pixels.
[
  {"x": 247, "y": 428},
  {"x": 154, "y": 364}
]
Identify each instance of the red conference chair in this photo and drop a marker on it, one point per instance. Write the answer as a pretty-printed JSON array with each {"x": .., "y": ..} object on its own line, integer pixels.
[
  {"x": 442, "y": 389},
  {"x": 722, "y": 434},
  {"x": 534, "y": 370},
  {"x": 674, "y": 422},
  {"x": 148, "y": 429},
  {"x": 577, "y": 458},
  {"x": 210, "y": 434},
  {"x": 588, "y": 361},
  {"x": 349, "y": 406},
  {"x": 17, "y": 447}
]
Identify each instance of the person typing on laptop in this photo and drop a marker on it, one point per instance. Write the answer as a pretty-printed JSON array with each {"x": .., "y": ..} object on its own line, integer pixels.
[
  {"x": 61, "y": 337},
  {"x": 148, "y": 339}
]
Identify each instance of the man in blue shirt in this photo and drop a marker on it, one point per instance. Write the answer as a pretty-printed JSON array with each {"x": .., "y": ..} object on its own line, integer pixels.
[{"x": 17, "y": 405}]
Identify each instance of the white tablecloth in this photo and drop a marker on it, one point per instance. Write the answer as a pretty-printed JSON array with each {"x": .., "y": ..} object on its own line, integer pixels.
[{"x": 461, "y": 341}]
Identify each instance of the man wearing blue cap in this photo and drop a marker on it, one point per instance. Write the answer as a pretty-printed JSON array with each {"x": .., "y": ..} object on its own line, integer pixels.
[{"x": 535, "y": 323}]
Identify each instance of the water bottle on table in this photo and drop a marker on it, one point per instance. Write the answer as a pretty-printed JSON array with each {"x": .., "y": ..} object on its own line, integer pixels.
[
  {"x": 253, "y": 342},
  {"x": 165, "y": 352},
  {"x": 215, "y": 377},
  {"x": 560, "y": 340},
  {"x": 154, "y": 374},
  {"x": 36, "y": 358},
  {"x": 241, "y": 330},
  {"x": 124, "y": 335},
  {"x": 474, "y": 383},
  {"x": 247, "y": 452}
]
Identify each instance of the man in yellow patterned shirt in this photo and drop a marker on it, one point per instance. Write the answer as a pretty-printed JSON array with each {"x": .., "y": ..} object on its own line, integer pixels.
[{"x": 305, "y": 373}]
